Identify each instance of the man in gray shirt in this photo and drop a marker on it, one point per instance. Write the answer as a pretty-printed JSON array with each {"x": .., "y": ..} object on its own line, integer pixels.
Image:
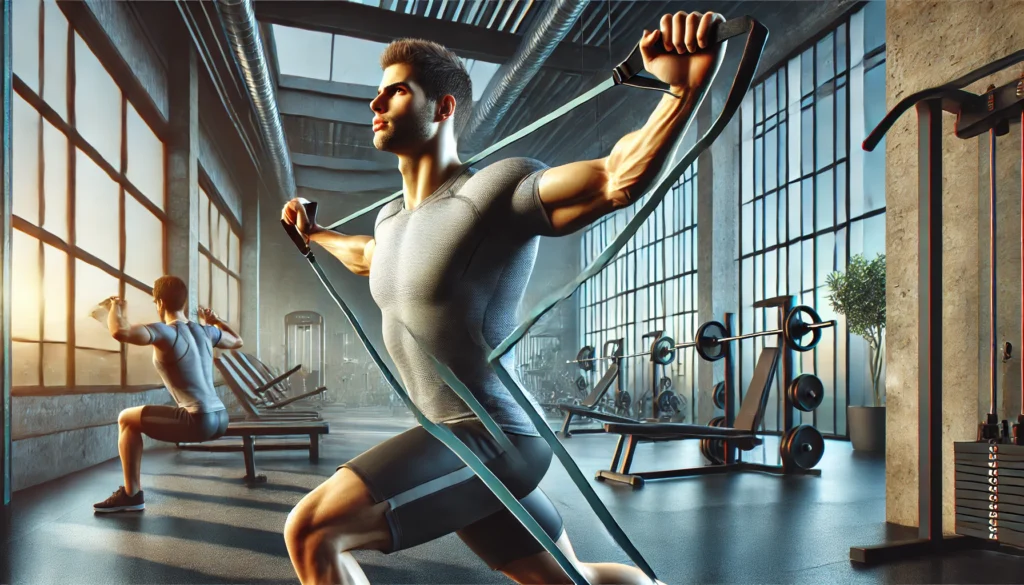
[
  {"x": 448, "y": 264},
  {"x": 183, "y": 356}
]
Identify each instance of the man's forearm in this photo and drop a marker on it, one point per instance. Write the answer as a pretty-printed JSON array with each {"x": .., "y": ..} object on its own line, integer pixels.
[
  {"x": 117, "y": 321},
  {"x": 351, "y": 250},
  {"x": 223, "y": 326},
  {"x": 637, "y": 158}
]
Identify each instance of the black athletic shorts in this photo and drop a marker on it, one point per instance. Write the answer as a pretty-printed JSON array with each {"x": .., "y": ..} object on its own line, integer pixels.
[
  {"x": 433, "y": 493},
  {"x": 177, "y": 425}
]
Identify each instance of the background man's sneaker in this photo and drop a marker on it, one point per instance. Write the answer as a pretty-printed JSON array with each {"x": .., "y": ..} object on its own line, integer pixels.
[{"x": 120, "y": 501}]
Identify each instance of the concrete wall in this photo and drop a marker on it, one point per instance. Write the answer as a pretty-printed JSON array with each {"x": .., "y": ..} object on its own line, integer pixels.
[{"x": 931, "y": 43}]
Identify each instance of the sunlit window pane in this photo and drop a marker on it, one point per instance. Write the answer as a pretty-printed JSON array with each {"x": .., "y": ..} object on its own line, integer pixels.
[
  {"x": 25, "y": 365},
  {"x": 97, "y": 211},
  {"x": 55, "y": 55},
  {"x": 92, "y": 285},
  {"x": 97, "y": 368},
  {"x": 204, "y": 218},
  {"x": 144, "y": 238},
  {"x": 219, "y": 290},
  {"x": 25, "y": 156},
  {"x": 55, "y": 294},
  {"x": 145, "y": 158},
  {"x": 55, "y": 181},
  {"x": 303, "y": 53},
  {"x": 233, "y": 263},
  {"x": 97, "y": 104},
  {"x": 25, "y": 42},
  {"x": 25, "y": 303},
  {"x": 55, "y": 364},
  {"x": 223, "y": 228},
  {"x": 204, "y": 281},
  {"x": 233, "y": 301}
]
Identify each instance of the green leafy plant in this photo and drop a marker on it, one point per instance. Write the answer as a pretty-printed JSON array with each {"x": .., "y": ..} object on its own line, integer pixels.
[{"x": 859, "y": 293}]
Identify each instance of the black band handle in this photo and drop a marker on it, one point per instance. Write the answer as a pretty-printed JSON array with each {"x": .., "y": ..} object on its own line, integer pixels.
[
  {"x": 293, "y": 232},
  {"x": 628, "y": 72}
]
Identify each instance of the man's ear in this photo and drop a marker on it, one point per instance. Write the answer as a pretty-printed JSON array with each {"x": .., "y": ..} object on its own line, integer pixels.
[{"x": 446, "y": 108}]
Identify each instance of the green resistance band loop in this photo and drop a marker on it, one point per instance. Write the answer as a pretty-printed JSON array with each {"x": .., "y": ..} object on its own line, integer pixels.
[{"x": 443, "y": 434}]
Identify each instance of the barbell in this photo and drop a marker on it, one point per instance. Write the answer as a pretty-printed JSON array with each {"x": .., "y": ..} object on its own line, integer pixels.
[
  {"x": 662, "y": 353},
  {"x": 711, "y": 335}
]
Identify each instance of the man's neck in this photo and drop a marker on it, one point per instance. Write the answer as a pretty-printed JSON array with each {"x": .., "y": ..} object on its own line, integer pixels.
[
  {"x": 170, "y": 318},
  {"x": 422, "y": 175}
]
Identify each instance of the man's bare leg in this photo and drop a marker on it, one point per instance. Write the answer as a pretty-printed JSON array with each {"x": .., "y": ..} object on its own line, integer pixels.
[
  {"x": 337, "y": 517},
  {"x": 542, "y": 569},
  {"x": 129, "y": 447}
]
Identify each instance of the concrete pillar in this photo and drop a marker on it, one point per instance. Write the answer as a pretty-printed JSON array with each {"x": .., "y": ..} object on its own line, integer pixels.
[
  {"x": 5, "y": 257},
  {"x": 183, "y": 172},
  {"x": 249, "y": 312},
  {"x": 717, "y": 232},
  {"x": 917, "y": 40}
]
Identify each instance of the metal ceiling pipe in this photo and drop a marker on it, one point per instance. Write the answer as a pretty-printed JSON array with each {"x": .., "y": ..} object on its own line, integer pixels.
[
  {"x": 243, "y": 34},
  {"x": 509, "y": 81}
]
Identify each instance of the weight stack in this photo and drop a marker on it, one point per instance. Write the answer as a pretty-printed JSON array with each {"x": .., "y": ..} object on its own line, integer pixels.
[{"x": 989, "y": 491}]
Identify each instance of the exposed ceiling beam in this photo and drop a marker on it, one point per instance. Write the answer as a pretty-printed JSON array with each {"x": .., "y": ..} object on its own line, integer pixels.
[
  {"x": 336, "y": 88},
  {"x": 324, "y": 107},
  {"x": 339, "y": 164},
  {"x": 349, "y": 181},
  {"x": 383, "y": 26}
]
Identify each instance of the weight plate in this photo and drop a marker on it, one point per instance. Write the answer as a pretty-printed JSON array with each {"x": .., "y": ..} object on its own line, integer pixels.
[
  {"x": 718, "y": 395},
  {"x": 706, "y": 341},
  {"x": 664, "y": 351},
  {"x": 668, "y": 404},
  {"x": 802, "y": 447},
  {"x": 585, "y": 358},
  {"x": 806, "y": 392},
  {"x": 665, "y": 385},
  {"x": 795, "y": 329},
  {"x": 581, "y": 383}
]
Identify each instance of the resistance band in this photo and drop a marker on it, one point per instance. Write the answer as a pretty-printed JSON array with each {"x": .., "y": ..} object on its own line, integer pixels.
[{"x": 625, "y": 74}]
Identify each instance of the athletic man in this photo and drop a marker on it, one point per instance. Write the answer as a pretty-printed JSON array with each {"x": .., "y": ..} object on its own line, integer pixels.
[
  {"x": 449, "y": 260},
  {"x": 183, "y": 356}
]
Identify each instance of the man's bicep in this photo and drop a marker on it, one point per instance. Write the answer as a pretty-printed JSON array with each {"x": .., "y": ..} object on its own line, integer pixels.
[
  {"x": 214, "y": 333},
  {"x": 529, "y": 214}
]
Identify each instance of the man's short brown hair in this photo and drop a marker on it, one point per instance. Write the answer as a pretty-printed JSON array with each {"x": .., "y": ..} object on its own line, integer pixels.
[
  {"x": 172, "y": 291},
  {"x": 438, "y": 70}
]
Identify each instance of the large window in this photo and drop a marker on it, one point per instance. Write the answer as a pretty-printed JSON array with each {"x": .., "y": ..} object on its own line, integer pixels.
[
  {"x": 89, "y": 214},
  {"x": 811, "y": 197},
  {"x": 650, "y": 286},
  {"x": 218, "y": 260}
]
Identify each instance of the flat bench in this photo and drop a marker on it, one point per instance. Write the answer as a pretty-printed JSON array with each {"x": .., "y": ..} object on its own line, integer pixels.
[{"x": 248, "y": 431}]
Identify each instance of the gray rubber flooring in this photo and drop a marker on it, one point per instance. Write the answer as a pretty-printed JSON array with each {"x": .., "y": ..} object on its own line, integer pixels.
[{"x": 203, "y": 525}]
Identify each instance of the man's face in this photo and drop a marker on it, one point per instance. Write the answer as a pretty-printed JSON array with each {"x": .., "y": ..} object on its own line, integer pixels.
[{"x": 403, "y": 116}]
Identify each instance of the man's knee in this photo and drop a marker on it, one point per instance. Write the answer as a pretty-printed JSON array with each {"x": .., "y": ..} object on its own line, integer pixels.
[
  {"x": 130, "y": 418},
  {"x": 337, "y": 516}
]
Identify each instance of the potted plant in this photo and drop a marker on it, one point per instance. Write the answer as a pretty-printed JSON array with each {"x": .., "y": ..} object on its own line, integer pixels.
[{"x": 859, "y": 294}]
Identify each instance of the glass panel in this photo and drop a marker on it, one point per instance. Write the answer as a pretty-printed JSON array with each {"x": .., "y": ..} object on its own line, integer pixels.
[
  {"x": 794, "y": 211},
  {"x": 841, "y": 63},
  {"x": 223, "y": 229},
  {"x": 748, "y": 229},
  {"x": 825, "y": 58},
  {"x": 781, "y": 217},
  {"x": 825, "y": 250},
  {"x": 97, "y": 368},
  {"x": 213, "y": 245},
  {"x": 874, "y": 25},
  {"x": 806, "y": 71},
  {"x": 96, "y": 212},
  {"x": 747, "y": 155},
  {"x": 25, "y": 366},
  {"x": 771, "y": 220},
  {"x": 807, "y": 144},
  {"x": 97, "y": 104},
  {"x": 25, "y": 303},
  {"x": 25, "y": 159},
  {"x": 874, "y": 161},
  {"x": 808, "y": 206},
  {"x": 758, "y": 166},
  {"x": 55, "y": 364},
  {"x": 144, "y": 238},
  {"x": 808, "y": 266},
  {"x": 25, "y": 42},
  {"x": 824, "y": 201},
  {"x": 771, "y": 163},
  {"x": 233, "y": 258},
  {"x": 218, "y": 290},
  {"x": 234, "y": 301},
  {"x": 823, "y": 130},
  {"x": 145, "y": 158},
  {"x": 92, "y": 285},
  {"x": 771, "y": 104},
  {"x": 141, "y": 310},
  {"x": 758, "y": 224},
  {"x": 794, "y": 269},
  {"x": 204, "y": 281},
  {"x": 55, "y": 54},
  {"x": 841, "y": 121},
  {"x": 840, "y": 178},
  {"x": 793, "y": 119},
  {"x": 304, "y": 53},
  {"x": 204, "y": 218},
  {"x": 55, "y": 294},
  {"x": 55, "y": 181}
]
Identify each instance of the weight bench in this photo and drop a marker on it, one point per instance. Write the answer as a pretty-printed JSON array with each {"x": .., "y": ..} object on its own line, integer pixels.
[
  {"x": 253, "y": 408},
  {"x": 743, "y": 435},
  {"x": 248, "y": 431},
  {"x": 588, "y": 408},
  {"x": 268, "y": 386}
]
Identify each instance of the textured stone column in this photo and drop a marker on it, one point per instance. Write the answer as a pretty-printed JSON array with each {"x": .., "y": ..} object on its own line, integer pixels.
[
  {"x": 249, "y": 319},
  {"x": 183, "y": 172}
]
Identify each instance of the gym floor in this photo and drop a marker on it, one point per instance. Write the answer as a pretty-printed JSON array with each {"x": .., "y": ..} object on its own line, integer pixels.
[{"x": 202, "y": 525}]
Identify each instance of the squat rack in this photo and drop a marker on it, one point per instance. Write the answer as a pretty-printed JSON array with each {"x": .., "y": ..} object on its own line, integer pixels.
[{"x": 976, "y": 114}]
